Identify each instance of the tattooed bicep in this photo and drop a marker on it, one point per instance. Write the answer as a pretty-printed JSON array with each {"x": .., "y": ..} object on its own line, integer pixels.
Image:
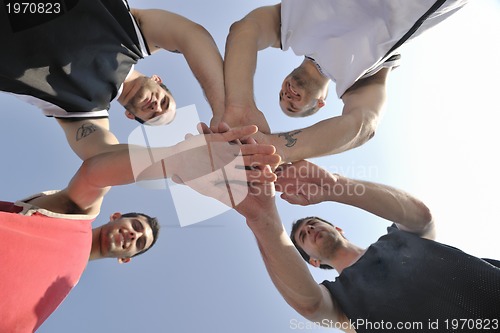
[{"x": 85, "y": 130}]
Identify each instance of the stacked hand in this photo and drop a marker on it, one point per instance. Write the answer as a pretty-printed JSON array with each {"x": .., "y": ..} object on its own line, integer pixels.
[
  {"x": 234, "y": 168},
  {"x": 237, "y": 116},
  {"x": 304, "y": 183}
]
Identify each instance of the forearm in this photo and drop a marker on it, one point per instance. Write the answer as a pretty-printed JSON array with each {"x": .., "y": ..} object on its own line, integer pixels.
[
  {"x": 286, "y": 268},
  {"x": 330, "y": 136},
  {"x": 128, "y": 165},
  {"x": 169, "y": 31},
  {"x": 240, "y": 62},
  {"x": 384, "y": 201},
  {"x": 205, "y": 61},
  {"x": 257, "y": 31}
]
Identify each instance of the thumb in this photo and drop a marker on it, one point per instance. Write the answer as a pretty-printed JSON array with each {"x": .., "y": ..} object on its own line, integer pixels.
[{"x": 295, "y": 199}]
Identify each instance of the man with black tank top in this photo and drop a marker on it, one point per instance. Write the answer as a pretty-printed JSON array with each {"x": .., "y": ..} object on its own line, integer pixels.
[
  {"x": 404, "y": 282},
  {"x": 71, "y": 58}
]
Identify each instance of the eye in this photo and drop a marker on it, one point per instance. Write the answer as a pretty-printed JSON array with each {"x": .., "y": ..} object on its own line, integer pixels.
[
  {"x": 301, "y": 236},
  {"x": 137, "y": 225},
  {"x": 141, "y": 243}
]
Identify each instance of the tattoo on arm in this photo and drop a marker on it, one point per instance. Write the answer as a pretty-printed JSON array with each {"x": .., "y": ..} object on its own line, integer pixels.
[
  {"x": 84, "y": 131},
  {"x": 289, "y": 137}
]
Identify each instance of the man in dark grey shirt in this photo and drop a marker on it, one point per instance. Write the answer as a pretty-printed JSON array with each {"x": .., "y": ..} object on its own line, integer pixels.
[
  {"x": 404, "y": 282},
  {"x": 74, "y": 58}
]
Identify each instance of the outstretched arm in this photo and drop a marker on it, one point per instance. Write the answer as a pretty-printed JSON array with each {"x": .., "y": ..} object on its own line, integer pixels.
[
  {"x": 192, "y": 158},
  {"x": 172, "y": 32},
  {"x": 285, "y": 266},
  {"x": 289, "y": 272},
  {"x": 363, "y": 105},
  {"x": 258, "y": 30},
  {"x": 305, "y": 183}
]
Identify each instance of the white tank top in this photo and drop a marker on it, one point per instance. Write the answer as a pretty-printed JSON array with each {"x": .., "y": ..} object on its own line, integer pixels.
[{"x": 351, "y": 39}]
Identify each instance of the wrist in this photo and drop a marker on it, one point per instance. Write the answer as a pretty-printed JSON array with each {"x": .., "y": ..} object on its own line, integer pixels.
[{"x": 264, "y": 219}]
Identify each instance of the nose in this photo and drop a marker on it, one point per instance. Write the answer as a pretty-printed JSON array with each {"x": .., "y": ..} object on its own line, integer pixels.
[
  {"x": 155, "y": 106},
  {"x": 131, "y": 236}
]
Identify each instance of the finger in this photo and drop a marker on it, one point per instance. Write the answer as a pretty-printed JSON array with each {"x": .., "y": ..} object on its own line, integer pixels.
[
  {"x": 248, "y": 140},
  {"x": 203, "y": 129},
  {"x": 223, "y": 127},
  {"x": 295, "y": 199},
  {"x": 262, "y": 175},
  {"x": 257, "y": 149},
  {"x": 260, "y": 160},
  {"x": 239, "y": 133}
]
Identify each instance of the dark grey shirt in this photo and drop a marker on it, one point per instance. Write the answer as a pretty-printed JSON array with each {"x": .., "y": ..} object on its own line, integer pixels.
[
  {"x": 403, "y": 278},
  {"x": 73, "y": 63}
]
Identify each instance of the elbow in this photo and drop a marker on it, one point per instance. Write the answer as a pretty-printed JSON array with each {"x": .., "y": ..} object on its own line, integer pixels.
[
  {"x": 365, "y": 128},
  {"x": 249, "y": 28},
  {"x": 310, "y": 311},
  {"x": 427, "y": 215},
  {"x": 425, "y": 224},
  {"x": 197, "y": 32},
  {"x": 370, "y": 124},
  {"x": 236, "y": 26},
  {"x": 426, "y": 218}
]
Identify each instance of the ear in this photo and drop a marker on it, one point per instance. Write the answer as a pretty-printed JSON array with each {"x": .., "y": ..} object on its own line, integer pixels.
[
  {"x": 156, "y": 78},
  {"x": 124, "y": 260},
  {"x": 115, "y": 216},
  {"x": 321, "y": 103},
  {"x": 314, "y": 262},
  {"x": 129, "y": 115}
]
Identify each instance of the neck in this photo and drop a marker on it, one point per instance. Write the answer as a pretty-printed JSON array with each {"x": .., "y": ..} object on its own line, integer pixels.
[
  {"x": 345, "y": 256},
  {"x": 314, "y": 70},
  {"x": 95, "y": 251}
]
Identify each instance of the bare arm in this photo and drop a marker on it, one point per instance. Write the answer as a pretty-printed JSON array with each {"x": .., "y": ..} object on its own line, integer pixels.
[
  {"x": 284, "y": 264},
  {"x": 90, "y": 137},
  {"x": 258, "y": 30},
  {"x": 289, "y": 272},
  {"x": 192, "y": 158},
  {"x": 178, "y": 34},
  {"x": 305, "y": 183},
  {"x": 363, "y": 105}
]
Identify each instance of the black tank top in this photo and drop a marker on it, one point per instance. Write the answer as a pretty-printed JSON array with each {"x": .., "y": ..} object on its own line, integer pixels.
[
  {"x": 76, "y": 60},
  {"x": 403, "y": 279}
]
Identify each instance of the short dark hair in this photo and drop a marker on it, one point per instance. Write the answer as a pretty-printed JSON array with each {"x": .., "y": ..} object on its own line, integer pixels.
[
  {"x": 165, "y": 87},
  {"x": 295, "y": 227},
  {"x": 154, "y": 225}
]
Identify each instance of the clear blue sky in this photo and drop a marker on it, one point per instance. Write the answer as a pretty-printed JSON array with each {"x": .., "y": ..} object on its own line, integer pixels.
[{"x": 437, "y": 140}]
